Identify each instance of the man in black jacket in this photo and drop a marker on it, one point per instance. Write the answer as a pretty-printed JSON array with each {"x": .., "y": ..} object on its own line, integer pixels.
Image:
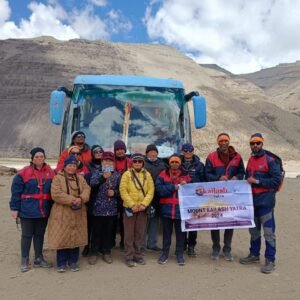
[{"x": 154, "y": 166}]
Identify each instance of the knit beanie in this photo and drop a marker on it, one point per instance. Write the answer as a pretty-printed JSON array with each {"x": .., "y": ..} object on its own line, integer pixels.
[
  {"x": 119, "y": 144},
  {"x": 76, "y": 133},
  {"x": 70, "y": 160},
  {"x": 139, "y": 156},
  {"x": 187, "y": 147},
  {"x": 151, "y": 147},
  {"x": 35, "y": 150}
]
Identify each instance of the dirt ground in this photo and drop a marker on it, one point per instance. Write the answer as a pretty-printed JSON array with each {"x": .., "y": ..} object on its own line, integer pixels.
[{"x": 199, "y": 278}]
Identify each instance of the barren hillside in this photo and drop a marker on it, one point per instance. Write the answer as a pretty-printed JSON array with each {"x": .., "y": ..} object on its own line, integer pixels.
[{"x": 30, "y": 69}]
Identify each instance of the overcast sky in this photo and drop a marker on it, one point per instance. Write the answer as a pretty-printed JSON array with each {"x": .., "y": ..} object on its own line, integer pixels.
[{"x": 241, "y": 36}]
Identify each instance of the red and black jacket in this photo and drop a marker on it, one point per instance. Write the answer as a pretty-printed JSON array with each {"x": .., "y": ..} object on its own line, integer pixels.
[
  {"x": 165, "y": 189},
  {"x": 215, "y": 167},
  {"x": 30, "y": 192},
  {"x": 267, "y": 171}
]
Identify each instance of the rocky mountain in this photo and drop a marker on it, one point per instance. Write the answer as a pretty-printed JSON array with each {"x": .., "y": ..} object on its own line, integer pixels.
[{"x": 31, "y": 68}]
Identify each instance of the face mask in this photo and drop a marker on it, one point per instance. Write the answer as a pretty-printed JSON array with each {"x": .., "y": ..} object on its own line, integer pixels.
[{"x": 107, "y": 168}]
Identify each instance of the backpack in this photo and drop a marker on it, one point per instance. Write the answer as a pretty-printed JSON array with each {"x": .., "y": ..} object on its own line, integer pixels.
[{"x": 279, "y": 161}]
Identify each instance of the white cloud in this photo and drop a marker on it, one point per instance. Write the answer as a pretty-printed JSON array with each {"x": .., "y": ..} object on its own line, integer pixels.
[
  {"x": 99, "y": 2},
  {"x": 239, "y": 35},
  {"x": 51, "y": 19}
]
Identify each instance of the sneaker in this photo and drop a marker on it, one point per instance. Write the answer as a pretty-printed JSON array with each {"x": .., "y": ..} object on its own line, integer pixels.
[
  {"x": 61, "y": 269},
  {"x": 107, "y": 258},
  {"x": 25, "y": 264},
  {"x": 215, "y": 255},
  {"x": 155, "y": 248},
  {"x": 85, "y": 251},
  {"x": 180, "y": 260},
  {"x": 250, "y": 259},
  {"x": 140, "y": 261},
  {"x": 130, "y": 263},
  {"x": 92, "y": 259},
  {"x": 41, "y": 263},
  {"x": 74, "y": 267},
  {"x": 227, "y": 256},
  {"x": 163, "y": 259},
  {"x": 191, "y": 251},
  {"x": 269, "y": 267}
]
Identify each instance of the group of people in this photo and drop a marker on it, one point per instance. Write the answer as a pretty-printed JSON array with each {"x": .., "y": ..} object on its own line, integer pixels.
[{"x": 93, "y": 193}]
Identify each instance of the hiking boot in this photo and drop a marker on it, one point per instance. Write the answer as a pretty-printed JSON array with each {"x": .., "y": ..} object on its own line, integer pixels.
[
  {"x": 41, "y": 263},
  {"x": 140, "y": 261},
  {"x": 250, "y": 259},
  {"x": 191, "y": 251},
  {"x": 61, "y": 269},
  {"x": 155, "y": 248},
  {"x": 24, "y": 264},
  {"x": 92, "y": 259},
  {"x": 269, "y": 267},
  {"x": 227, "y": 256},
  {"x": 180, "y": 260},
  {"x": 107, "y": 258},
  {"x": 215, "y": 255},
  {"x": 130, "y": 263},
  {"x": 163, "y": 259},
  {"x": 74, "y": 267}
]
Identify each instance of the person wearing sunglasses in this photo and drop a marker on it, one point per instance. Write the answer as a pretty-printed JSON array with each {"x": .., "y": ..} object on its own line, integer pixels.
[
  {"x": 167, "y": 185},
  {"x": 77, "y": 139},
  {"x": 264, "y": 175},
  {"x": 195, "y": 168},
  {"x": 223, "y": 164},
  {"x": 137, "y": 191},
  {"x": 31, "y": 202}
]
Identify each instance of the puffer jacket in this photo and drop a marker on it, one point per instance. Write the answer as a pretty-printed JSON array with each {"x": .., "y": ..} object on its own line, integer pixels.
[
  {"x": 215, "y": 167},
  {"x": 165, "y": 188},
  {"x": 267, "y": 171},
  {"x": 130, "y": 191},
  {"x": 195, "y": 168},
  {"x": 67, "y": 227},
  {"x": 30, "y": 192}
]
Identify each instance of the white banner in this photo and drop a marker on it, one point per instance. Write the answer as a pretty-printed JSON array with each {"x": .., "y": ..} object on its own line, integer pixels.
[{"x": 216, "y": 205}]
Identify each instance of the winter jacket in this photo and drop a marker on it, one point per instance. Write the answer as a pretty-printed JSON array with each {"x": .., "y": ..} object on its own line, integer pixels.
[
  {"x": 165, "y": 188},
  {"x": 30, "y": 192},
  {"x": 155, "y": 168},
  {"x": 85, "y": 158},
  {"x": 67, "y": 227},
  {"x": 215, "y": 167},
  {"x": 122, "y": 165},
  {"x": 102, "y": 204},
  {"x": 195, "y": 168},
  {"x": 267, "y": 171},
  {"x": 130, "y": 191}
]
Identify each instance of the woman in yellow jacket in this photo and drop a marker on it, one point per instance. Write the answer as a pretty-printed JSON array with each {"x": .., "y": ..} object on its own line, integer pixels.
[{"x": 137, "y": 190}]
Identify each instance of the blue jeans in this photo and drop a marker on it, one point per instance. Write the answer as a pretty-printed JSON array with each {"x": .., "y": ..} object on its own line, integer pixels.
[
  {"x": 263, "y": 217},
  {"x": 67, "y": 256}
]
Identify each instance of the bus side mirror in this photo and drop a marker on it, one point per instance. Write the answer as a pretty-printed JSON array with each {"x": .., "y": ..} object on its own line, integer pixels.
[
  {"x": 199, "y": 103},
  {"x": 57, "y": 99}
]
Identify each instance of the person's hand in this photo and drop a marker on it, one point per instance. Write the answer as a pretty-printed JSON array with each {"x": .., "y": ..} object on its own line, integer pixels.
[
  {"x": 223, "y": 178},
  {"x": 135, "y": 209},
  {"x": 77, "y": 201},
  {"x": 142, "y": 207},
  {"x": 106, "y": 174},
  {"x": 110, "y": 193},
  {"x": 14, "y": 213},
  {"x": 176, "y": 187},
  {"x": 251, "y": 180},
  {"x": 183, "y": 182},
  {"x": 233, "y": 178}
]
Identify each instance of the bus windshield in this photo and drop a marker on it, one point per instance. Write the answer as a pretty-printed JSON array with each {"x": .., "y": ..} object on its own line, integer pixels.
[{"x": 137, "y": 115}]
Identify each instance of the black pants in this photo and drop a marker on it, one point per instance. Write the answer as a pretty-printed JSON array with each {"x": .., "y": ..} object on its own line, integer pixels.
[
  {"x": 66, "y": 257},
  {"x": 103, "y": 234},
  {"x": 215, "y": 237},
  {"x": 167, "y": 235},
  {"x": 33, "y": 228},
  {"x": 191, "y": 238}
]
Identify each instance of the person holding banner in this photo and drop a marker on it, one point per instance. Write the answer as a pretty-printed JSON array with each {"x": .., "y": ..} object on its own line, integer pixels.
[
  {"x": 223, "y": 164},
  {"x": 264, "y": 175},
  {"x": 167, "y": 185},
  {"x": 195, "y": 168}
]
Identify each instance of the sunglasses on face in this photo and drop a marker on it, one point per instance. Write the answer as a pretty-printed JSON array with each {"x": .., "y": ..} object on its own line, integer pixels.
[
  {"x": 75, "y": 153},
  {"x": 255, "y": 143},
  {"x": 137, "y": 161}
]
